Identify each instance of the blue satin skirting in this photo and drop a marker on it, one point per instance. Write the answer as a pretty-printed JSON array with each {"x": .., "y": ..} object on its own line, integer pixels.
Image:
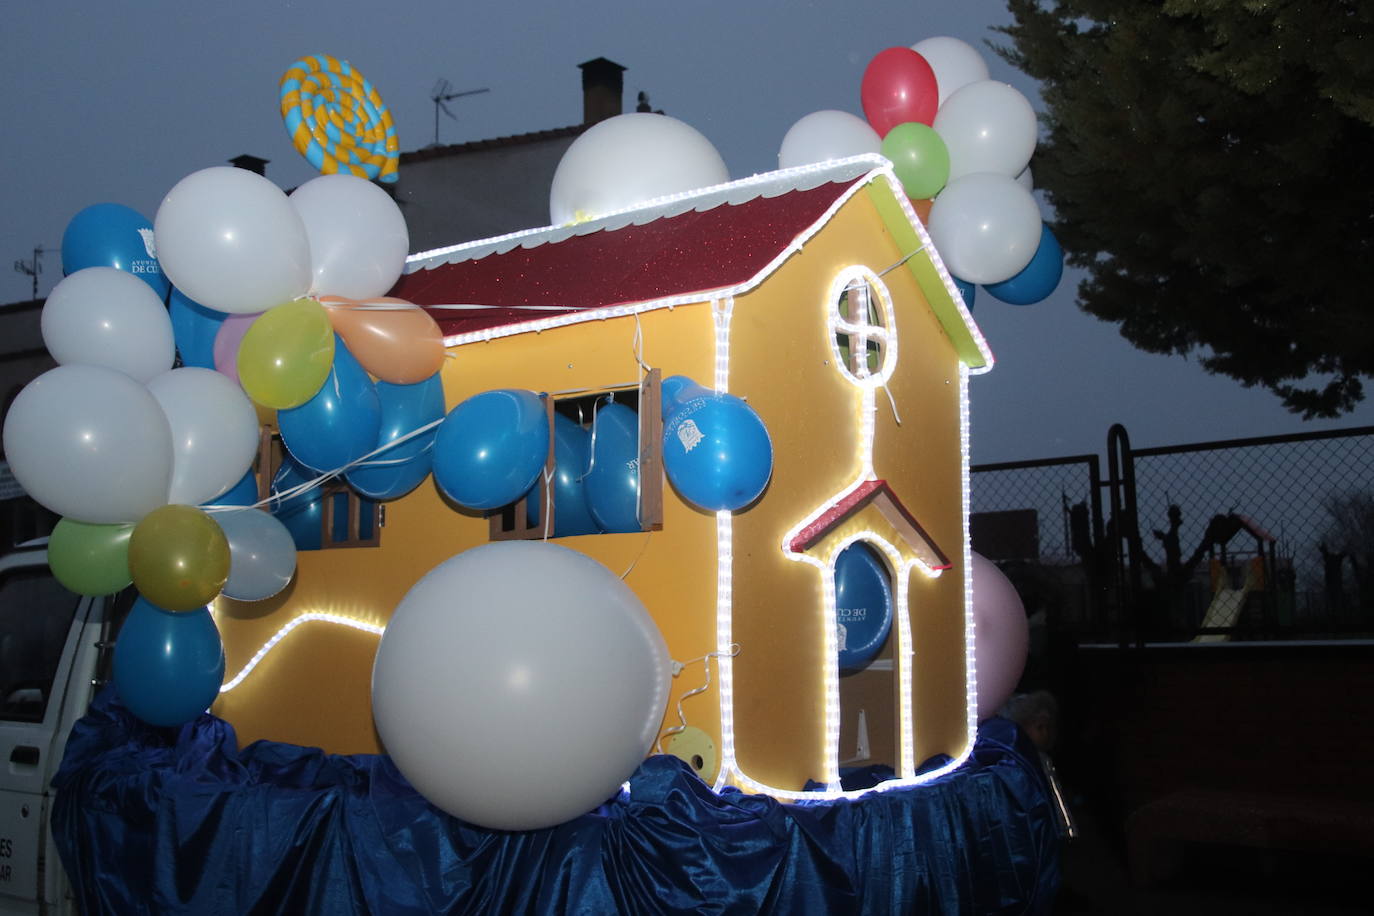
[{"x": 154, "y": 820}]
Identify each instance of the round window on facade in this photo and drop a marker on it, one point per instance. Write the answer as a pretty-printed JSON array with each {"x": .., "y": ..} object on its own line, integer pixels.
[{"x": 862, "y": 335}]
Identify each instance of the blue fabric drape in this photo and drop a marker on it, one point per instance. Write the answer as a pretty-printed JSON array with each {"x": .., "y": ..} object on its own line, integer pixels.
[{"x": 181, "y": 821}]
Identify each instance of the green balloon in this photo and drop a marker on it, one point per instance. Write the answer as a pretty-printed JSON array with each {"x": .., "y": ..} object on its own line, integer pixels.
[
  {"x": 90, "y": 559},
  {"x": 919, "y": 159}
]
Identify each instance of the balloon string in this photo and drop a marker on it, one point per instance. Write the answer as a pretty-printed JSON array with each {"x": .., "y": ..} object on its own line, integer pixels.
[
  {"x": 893, "y": 401},
  {"x": 548, "y": 501},
  {"x": 899, "y": 263},
  {"x": 639, "y": 556},
  {"x": 677, "y": 669}
]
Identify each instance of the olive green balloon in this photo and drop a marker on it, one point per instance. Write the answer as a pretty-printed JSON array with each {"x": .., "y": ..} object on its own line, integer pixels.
[
  {"x": 179, "y": 558},
  {"x": 286, "y": 354},
  {"x": 90, "y": 559}
]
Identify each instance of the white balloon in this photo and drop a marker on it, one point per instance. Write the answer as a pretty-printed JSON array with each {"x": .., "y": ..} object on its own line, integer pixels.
[
  {"x": 824, "y": 135},
  {"x": 518, "y": 684},
  {"x": 214, "y": 432},
  {"x": 262, "y": 555},
  {"x": 985, "y": 226},
  {"x": 988, "y": 127},
  {"x": 358, "y": 237},
  {"x": 229, "y": 239},
  {"x": 956, "y": 63},
  {"x": 101, "y": 316},
  {"x": 1026, "y": 179},
  {"x": 627, "y": 160},
  {"x": 91, "y": 444}
]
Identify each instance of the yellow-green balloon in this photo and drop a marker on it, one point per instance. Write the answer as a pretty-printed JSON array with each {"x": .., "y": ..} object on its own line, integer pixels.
[
  {"x": 90, "y": 559},
  {"x": 179, "y": 558},
  {"x": 920, "y": 159},
  {"x": 286, "y": 354}
]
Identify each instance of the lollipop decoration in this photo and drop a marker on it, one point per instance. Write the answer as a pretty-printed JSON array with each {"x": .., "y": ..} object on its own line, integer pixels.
[{"x": 337, "y": 120}]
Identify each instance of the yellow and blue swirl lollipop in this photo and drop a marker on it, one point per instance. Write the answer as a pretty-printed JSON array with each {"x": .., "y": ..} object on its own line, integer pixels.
[{"x": 337, "y": 120}]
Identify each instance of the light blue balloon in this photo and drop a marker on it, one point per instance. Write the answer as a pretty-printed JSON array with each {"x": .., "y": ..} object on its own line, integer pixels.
[
  {"x": 1038, "y": 278},
  {"x": 491, "y": 448},
  {"x": 303, "y": 513},
  {"x": 168, "y": 666},
  {"x": 613, "y": 483},
  {"x": 113, "y": 235},
  {"x": 863, "y": 605},
  {"x": 572, "y": 452},
  {"x": 716, "y": 449},
  {"x": 340, "y": 423},
  {"x": 400, "y": 469},
  {"x": 194, "y": 328},
  {"x": 262, "y": 554}
]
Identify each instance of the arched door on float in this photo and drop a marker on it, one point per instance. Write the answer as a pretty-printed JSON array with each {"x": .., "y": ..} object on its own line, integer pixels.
[{"x": 864, "y": 609}]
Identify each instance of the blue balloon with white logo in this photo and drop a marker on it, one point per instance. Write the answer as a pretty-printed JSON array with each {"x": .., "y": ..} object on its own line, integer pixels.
[
  {"x": 572, "y": 453},
  {"x": 491, "y": 448},
  {"x": 340, "y": 423},
  {"x": 194, "y": 328},
  {"x": 401, "y": 468},
  {"x": 1037, "y": 279},
  {"x": 863, "y": 605},
  {"x": 168, "y": 666},
  {"x": 612, "y": 484},
  {"x": 716, "y": 449},
  {"x": 113, "y": 235}
]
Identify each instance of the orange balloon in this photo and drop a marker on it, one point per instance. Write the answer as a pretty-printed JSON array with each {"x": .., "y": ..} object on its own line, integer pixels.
[
  {"x": 395, "y": 340},
  {"x": 922, "y": 208}
]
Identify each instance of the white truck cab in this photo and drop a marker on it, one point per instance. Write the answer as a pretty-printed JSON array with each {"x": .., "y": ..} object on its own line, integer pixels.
[{"x": 52, "y": 659}]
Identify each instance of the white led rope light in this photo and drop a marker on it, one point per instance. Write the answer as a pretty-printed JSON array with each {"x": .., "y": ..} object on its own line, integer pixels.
[{"x": 288, "y": 629}]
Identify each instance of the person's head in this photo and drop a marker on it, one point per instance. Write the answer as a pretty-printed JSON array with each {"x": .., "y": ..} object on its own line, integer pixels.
[{"x": 1036, "y": 714}]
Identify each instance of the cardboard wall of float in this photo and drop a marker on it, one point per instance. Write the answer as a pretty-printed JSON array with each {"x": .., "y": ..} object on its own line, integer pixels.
[{"x": 314, "y": 688}]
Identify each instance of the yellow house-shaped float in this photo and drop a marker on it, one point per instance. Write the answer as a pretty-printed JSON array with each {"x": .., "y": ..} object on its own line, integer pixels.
[{"x": 816, "y": 296}]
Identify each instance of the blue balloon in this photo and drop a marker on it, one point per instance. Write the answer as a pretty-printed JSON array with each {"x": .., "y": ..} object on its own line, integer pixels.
[
  {"x": 613, "y": 482},
  {"x": 113, "y": 235},
  {"x": 1038, "y": 278},
  {"x": 401, "y": 468},
  {"x": 491, "y": 448},
  {"x": 194, "y": 328},
  {"x": 863, "y": 605},
  {"x": 303, "y": 513},
  {"x": 716, "y": 450},
  {"x": 966, "y": 289},
  {"x": 572, "y": 452},
  {"x": 340, "y": 423},
  {"x": 243, "y": 493},
  {"x": 168, "y": 666}
]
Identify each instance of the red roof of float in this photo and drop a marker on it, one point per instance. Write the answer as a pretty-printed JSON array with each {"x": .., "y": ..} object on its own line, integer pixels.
[{"x": 879, "y": 494}]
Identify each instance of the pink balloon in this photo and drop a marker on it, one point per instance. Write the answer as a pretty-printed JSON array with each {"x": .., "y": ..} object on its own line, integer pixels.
[
  {"x": 227, "y": 340},
  {"x": 1001, "y": 636}
]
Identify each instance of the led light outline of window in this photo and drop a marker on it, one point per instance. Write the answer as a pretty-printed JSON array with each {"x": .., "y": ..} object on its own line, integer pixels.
[{"x": 852, "y": 279}]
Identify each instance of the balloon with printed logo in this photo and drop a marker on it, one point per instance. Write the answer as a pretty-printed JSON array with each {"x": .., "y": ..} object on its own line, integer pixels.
[
  {"x": 919, "y": 159},
  {"x": 401, "y": 468},
  {"x": 898, "y": 86},
  {"x": 491, "y": 448},
  {"x": 612, "y": 484},
  {"x": 358, "y": 237},
  {"x": 571, "y": 456},
  {"x": 286, "y": 354},
  {"x": 395, "y": 340},
  {"x": 340, "y": 423},
  {"x": 90, "y": 559},
  {"x": 863, "y": 605},
  {"x": 987, "y": 126},
  {"x": 214, "y": 432},
  {"x": 168, "y": 667},
  {"x": 956, "y": 63},
  {"x": 985, "y": 226},
  {"x": 1001, "y": 635},
  {"x": 179, "y": 557},
  {"x": 716, "y": 449},
  {"x": 300, "y": 510},
  {"x": 1037, "y": 279},
  {"x": 91, "y": 444},
  {"x": 230, "y": 240},
  {"x": 262, "y": 554},
  {"x": 825, "y": 135},
  {"x": 194, "y": 328},
  {"x": 113, "y": 235},
  {"x": 101, "y": 316}
]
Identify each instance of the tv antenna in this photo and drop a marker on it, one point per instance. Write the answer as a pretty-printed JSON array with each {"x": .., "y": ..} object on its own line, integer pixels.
[
  {"x": 443, "y": 92},
  {"x": 32, "y": 267}
]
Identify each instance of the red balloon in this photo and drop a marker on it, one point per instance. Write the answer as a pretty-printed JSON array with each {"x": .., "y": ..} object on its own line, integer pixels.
[{"x": 898, "y": 86}]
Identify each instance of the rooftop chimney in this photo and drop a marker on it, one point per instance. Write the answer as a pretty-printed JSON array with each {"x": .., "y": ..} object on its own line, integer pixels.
[
  {"x": 602, "y": 87},
  {"x": 251, "y": 163}
]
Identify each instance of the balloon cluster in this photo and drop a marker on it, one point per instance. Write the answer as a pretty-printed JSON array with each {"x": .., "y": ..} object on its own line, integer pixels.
[{"x": 961, "y": 144}]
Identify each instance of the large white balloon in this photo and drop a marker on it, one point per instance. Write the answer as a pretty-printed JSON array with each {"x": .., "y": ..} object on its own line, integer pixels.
[
  {"x": 985, "y": 226},
  {"x": 627, "y": 160},
  {"x": 214, "y": 432},
  {"x": 1001, "y": 635},
  {"x": 229, "y": 239},
  {"x": 358, "y": 237},
  {"x": 956, "y": 63},
  {"x": 518, "y": 684},
  {"x": 101, "y": 316},
  {"x": 988, "y": 127},
  {"x": 262, "y": 554},
  {"x": 91, "y": 444},
  {"x": 824, "y": 135}
]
